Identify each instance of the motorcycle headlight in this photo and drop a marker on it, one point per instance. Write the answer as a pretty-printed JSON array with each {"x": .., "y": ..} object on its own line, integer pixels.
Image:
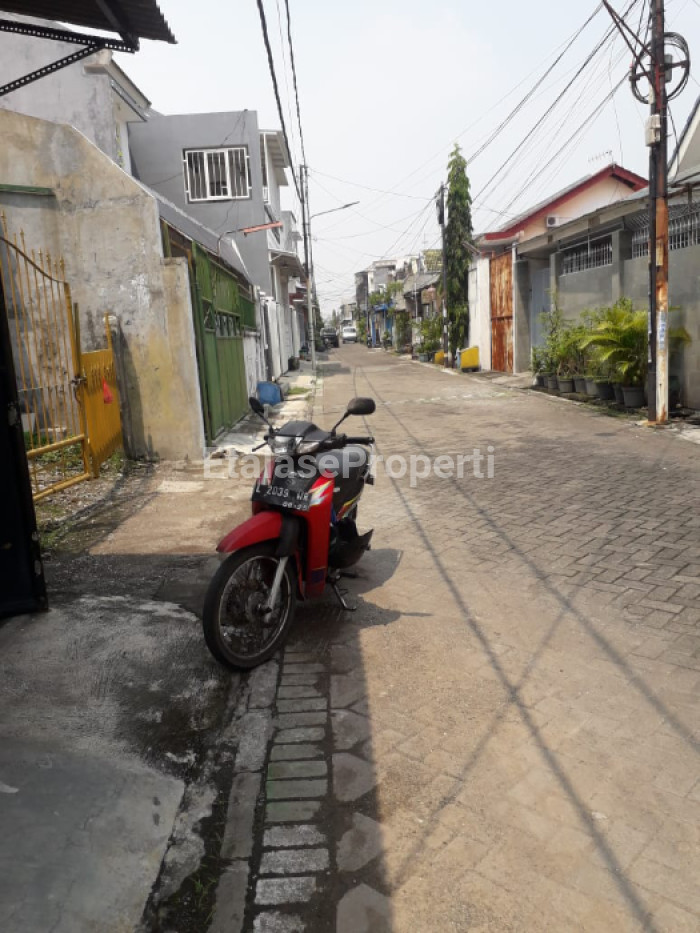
[
  {"x": 306, "y": 447},
  {"x": 284, "y": 445}
]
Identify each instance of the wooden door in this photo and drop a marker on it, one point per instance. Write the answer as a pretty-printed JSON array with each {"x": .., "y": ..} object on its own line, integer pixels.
[{"x": 502, "y": 313}]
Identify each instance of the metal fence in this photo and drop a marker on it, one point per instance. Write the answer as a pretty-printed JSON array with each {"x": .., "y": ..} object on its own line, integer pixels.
[
  {"x": 591, "y": 255},
  {"x": 100, "y": 397},
  {"x": 40, "y": 316},
  {"x": 68, "y": 400},
  {"x": 683, "y": 231}
]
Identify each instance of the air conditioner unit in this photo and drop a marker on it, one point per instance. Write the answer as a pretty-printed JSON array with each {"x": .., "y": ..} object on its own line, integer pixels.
[{"x": 552, "y": 221}]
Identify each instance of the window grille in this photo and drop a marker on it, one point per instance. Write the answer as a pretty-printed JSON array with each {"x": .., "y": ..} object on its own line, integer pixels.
[
  {"x": 217, "y": 174},
  {"x": 640, "y": 243},
  {"x": 683, "y": 231},
  {"x": 587, "y": 256}
]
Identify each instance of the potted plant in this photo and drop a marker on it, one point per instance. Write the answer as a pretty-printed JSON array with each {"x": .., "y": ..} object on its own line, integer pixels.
[
  {"x": 621, "y": 342},
  {"x": 431, "y": 332},
  {"x": 570, "y": 356},
  {"x": 554, "y": 326},
  {"x": 537, "y": 363}
]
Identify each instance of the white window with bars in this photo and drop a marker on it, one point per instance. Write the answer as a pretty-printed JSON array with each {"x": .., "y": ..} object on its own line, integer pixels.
[
  {"x": 217, "y": 174},
  {"x": 591, "y": 255}
]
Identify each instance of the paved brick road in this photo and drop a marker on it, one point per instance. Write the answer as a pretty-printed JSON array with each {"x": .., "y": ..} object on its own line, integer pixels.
[{"x": 505, "y": 736}]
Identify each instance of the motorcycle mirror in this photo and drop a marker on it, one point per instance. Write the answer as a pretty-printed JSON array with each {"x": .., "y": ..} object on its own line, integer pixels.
[
  {"x": 257, "y": 406},
  {"x": 361, "y": 406},
  {"x": 356, "y": 406}
]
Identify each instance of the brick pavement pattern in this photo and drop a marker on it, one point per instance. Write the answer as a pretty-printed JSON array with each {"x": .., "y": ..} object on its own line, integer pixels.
[{"x": 506, "y": 734}]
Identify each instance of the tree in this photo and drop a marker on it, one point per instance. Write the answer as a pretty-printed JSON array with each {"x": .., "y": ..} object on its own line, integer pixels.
[{"x": 458, "y": 233}]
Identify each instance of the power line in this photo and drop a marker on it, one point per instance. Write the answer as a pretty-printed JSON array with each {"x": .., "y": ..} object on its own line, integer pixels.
[
  {"x": 356, "y": 184},
  {"x": 588, "y": 92},
  {"x": 286, "y": 80},
  {"x": 473, "y": 124},
  {"x": 542, "y": 119},
  {"x": 271, "y": 67},
  {"x": 595, "y": 113},
  {"x": 514, "y": 112},
  {"x": 294, "y": 78}
]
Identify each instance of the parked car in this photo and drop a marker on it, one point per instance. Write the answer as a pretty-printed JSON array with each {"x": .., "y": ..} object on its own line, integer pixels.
[
  {"x": 349, "y": 333},
  {"x": 329, "y": 335}
]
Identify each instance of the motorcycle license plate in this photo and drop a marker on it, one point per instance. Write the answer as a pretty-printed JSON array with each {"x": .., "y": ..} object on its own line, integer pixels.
[{"x": 283, "y": 497}]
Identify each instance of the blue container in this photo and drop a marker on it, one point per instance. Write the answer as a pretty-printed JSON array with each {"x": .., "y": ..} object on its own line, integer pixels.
[{"x": 269, "y": 393}]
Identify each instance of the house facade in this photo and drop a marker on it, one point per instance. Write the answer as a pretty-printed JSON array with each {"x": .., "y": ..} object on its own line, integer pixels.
[
  {"x": 254, "y": 339},
  {"x": 227, "y": 173},
  {"x": 604, "y": 255},
  {"x": 505, "y": 298}
]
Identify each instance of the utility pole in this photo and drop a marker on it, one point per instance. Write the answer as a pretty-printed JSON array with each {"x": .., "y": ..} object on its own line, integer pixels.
[
  {"x": 658, "y": 72},
  {"x": 441, "y": 220},
  {"x": 308, "y": 260},
  {"x": 658, "y": 222}
]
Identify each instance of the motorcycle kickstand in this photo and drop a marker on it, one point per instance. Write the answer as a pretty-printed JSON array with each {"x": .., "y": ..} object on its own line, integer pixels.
[{"x": 340, "y": 597}]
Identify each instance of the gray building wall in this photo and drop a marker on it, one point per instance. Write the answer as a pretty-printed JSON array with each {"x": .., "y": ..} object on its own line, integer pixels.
[
  {"x": 72, "y": 95},
  {"x": 592, "y": 288},
  {"x": 629, "y": 278},
  {"x": 157, "y": 149}
]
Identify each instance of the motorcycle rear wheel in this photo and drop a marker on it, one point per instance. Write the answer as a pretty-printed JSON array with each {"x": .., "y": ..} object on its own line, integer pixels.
[{"x": 236, "y": 632}]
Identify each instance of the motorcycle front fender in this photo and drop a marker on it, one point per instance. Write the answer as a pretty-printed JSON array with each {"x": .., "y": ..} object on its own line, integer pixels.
[
  {"x": 268, "y": 526},
  {"x": 265, "y": 526}
]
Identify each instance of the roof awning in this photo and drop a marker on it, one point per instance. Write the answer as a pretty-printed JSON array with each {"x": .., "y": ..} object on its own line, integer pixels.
[
  {"x": 288, "y": 263},
  {"x": 125, "y": 23}
]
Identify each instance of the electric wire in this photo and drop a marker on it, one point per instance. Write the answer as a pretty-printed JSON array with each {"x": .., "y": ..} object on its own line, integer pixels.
[
  {"x": 586, "y": 95},
  {"x": 286, "y": 84},
  {"x": 543, "y": 118},
  {"x": 273, "y": 75},
  {"x": 294, "y": 79},
  {"x": 593, "y": 115},
  {"x": 514, "y": 112}
]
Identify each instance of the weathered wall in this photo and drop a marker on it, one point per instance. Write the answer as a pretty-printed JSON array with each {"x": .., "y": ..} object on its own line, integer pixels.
[
  {"x": 81, "y": 98},
  {"x": 106, "y": 227}
]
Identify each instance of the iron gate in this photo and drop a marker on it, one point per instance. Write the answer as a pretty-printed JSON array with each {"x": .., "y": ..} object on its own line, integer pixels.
[
  {"x": 502, "y": 313},
  {"x": 47, "y": 365},
  {"x": 22, "y": 585}
]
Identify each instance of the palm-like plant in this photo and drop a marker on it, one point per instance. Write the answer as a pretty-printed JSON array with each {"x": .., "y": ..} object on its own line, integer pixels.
[{"x": 620, "y": 342}]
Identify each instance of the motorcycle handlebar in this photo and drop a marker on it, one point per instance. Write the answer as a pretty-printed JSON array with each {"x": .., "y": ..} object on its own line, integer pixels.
[{"x": 359, "y": 440}]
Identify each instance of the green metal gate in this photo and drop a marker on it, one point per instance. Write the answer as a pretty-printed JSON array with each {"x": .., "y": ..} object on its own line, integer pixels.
[
  {"x": 219, "y": 330},
  {"x": 221, "y": 312}
]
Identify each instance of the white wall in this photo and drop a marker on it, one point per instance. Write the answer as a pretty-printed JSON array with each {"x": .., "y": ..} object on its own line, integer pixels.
[
  {"x": 254, "y": 357},
  {"x": 480, "y": 310}
]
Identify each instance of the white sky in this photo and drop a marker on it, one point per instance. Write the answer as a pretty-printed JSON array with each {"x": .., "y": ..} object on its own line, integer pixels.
[{"x": 387, "y": 87}]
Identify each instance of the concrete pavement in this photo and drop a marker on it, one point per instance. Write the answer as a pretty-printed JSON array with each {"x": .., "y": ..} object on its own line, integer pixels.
[{"x": 505, "y": 736}]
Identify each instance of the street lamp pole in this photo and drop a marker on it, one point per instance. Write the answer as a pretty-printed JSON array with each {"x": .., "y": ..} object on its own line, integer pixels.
[{"x": 309, "y": 256}]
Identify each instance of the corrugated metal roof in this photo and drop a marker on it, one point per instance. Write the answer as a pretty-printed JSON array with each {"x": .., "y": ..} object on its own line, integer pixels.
[
  {"x": 418, "y": 282},
  {"x": 223, "y": 247},
  {"x": 141, "y": 18}
]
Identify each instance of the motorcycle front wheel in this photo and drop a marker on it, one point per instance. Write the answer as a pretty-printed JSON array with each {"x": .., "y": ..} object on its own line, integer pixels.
[{"x": 237, "y": 630}]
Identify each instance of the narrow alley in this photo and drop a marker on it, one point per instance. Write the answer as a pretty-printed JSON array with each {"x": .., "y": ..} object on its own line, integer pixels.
[{"x": 504, "y": 736}]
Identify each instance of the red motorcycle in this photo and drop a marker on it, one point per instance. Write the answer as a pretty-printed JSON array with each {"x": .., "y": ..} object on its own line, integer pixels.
[{"x": 301, "y": 537}]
